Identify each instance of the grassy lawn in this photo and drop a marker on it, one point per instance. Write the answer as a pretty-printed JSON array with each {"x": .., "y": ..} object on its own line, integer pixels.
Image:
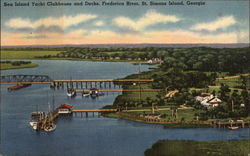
[
  {"x": 199, "y": 148},
  {"x": 5, "y": 66},
  {"x": 10, "y": 54}
]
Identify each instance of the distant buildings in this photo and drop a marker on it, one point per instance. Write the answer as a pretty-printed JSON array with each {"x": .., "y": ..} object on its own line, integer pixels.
[
  {"x": 208, "y": 100},
  {"x": 155, "y": 61}
]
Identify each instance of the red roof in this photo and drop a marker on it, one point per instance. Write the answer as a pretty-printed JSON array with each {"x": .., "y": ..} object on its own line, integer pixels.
[
  {"x": 205, "y": 94},
  {"x": 65, "y": 106}
]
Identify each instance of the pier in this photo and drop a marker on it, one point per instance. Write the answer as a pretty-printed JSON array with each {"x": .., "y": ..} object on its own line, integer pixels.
[
  {"x": 18, "y": 86},
  {"x": 54, "y": 115},
  {"x": 93, "y": 111},
  {"x": 122, "y": 90}
]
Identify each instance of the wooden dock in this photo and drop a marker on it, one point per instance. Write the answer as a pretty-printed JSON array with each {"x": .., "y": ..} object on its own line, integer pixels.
[
  {"x": 94, "y": 110},
  {"x": 122, "y": 90},
  {"x": 18, "y": 86}
]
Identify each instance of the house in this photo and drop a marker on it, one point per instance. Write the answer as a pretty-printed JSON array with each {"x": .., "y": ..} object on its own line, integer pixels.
[
  {"x": 208, "y": 100},
  {"x": 155, "y": 61},
  {"x": 65, "y": 109},
  {"x": 204, "y": 96}
]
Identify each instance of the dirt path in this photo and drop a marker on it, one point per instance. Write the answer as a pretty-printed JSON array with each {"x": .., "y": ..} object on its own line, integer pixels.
[{"x": 232, "y": 77}]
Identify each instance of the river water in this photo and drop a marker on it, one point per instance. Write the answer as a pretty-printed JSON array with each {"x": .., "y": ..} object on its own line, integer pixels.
[{"x": 81, "y": 136}]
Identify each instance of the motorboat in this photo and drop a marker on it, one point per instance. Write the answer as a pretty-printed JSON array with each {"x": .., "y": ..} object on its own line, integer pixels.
[
  {"x": 71, "y": 92},
  {"x": 85, "y": 94},
  {"x": 35, "y": 118},
  {"x": 233, "y": 127},
  {"x": 94, "y": 92}
]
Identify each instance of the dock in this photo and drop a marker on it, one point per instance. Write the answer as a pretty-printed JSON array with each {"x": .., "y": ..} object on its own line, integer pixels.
[
  {"x": 122, "y": 90},
  {"x": 18, "y": 86},
  {"x": 93, "y": 111}
]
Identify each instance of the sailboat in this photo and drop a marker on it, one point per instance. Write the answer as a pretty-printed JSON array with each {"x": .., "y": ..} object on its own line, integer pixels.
[
  {"x": 49, "y": 123},
  {"x": 71, "y": 92}
]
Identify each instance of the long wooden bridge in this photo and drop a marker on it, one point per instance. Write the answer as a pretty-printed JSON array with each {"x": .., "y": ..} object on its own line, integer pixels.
[
  {"x": 123, "y": 90},
  {"x": 44, "y": 79}
]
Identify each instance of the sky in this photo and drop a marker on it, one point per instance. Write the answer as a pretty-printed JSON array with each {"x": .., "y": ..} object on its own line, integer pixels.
[{"x": 223, "y": 21}]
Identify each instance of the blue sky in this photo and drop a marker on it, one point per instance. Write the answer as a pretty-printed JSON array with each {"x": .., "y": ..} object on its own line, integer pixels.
[{"x": 215, "y": 22}]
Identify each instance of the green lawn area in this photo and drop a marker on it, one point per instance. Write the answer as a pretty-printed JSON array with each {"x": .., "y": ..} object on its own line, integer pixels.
[
  {"x": 5, "y": 66},
  {"x": 9, "y": 54},
  {"x": 199, "y": 148}
]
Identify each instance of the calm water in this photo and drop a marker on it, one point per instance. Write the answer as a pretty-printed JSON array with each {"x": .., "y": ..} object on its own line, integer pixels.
[{"x": 81, "y": 136}]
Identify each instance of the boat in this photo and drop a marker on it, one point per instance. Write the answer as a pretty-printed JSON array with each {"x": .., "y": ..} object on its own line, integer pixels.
[
  {"x": 50, "y": 126},
  {"x": 86, "y": 95},
  {"x": 35, "y": 118},
  {"x": 71, "y": 92},
  {"x": 94, "y": 92},
  {"x": 233, "y": 127}
]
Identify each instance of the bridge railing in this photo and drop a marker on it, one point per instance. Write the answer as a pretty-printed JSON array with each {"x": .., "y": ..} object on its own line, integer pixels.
[{"x": 25, "y": 78}]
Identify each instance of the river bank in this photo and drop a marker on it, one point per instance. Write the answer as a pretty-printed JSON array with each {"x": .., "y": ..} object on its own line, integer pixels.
[
  {"x": 164, "y": 123},
  {"x": 7, "y": 66},
  {"x": 47, "y": 55},
  {"x": 199, "y": 148}
]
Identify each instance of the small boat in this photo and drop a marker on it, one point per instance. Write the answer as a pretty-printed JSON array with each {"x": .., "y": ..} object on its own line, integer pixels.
[
  {"x": 86, "y": 93},
  {"x": 50, "y": 126},
  {"x": 35, "y": 118},
  {"x": 233, "y": 127},
  {"x": 94, "y": 92},
  {"x": 71, "y": 92}
]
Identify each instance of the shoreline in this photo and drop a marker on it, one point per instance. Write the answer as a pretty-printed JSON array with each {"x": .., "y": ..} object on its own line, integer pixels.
[
  {"x": 221, "y": 147},
  {"x": 32, "y": 65},
  {"x": 168, "y": 124},
  {"x": 165, "y": 125},
  {"x": 79, "y": 59}
]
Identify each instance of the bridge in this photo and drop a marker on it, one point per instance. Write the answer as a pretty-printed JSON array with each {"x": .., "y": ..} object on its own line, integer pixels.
[
  {"x": 13, "y": 79},
  {"x": 44, "y": 79}
]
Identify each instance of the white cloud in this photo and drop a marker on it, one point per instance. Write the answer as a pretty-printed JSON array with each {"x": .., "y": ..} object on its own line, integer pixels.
[
  {"x": 219, "y": 23},
  {"x": 82, "y": 36},
  {"x": 150, "y": 18},
  {"x": 62, "y": 22},
  {"x": 98, "y": 23}
]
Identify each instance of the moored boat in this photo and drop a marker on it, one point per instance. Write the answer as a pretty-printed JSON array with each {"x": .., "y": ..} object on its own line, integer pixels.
[
  {"x": 233, "y": 127},
  {"x": 71, "y": 92},
  {"x": 50, "y": 126},
  {"x": 94, "y": 92},
  {"x": 35, "y": 118}
]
